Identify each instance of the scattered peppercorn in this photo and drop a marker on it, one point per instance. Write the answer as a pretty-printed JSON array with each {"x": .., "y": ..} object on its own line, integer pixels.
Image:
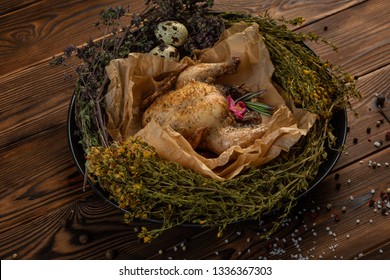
[
  {"x": 325, "y": 28},
  {"x": 355, "y": 140},
  {"x": 109, "y": 254},
  {"x": 83, "y": 238},
  {"x": 337, "y": 176},
  {"x": 338, "y": 186},
  {"x": 63, "y": 223},
  {"x": 337, "y": 218},
  {"x": 371, "y": 203},
  {"x": 387, "y": 136}
]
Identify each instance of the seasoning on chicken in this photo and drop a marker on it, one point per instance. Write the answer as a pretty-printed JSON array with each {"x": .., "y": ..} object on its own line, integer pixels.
[{"x": 198, "y": 110}]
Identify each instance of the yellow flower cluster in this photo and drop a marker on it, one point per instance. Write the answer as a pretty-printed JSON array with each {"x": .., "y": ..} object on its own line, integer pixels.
[{"x": 117, "y": 169}]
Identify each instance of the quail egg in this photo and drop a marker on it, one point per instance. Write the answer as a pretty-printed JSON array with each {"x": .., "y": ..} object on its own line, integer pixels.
[
  {"x": 172, "y": 33},
  {"x": 166, "y": 51}
]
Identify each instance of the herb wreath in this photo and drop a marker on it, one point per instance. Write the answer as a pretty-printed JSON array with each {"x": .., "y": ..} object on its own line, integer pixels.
[{"x": 148, "y": 187}]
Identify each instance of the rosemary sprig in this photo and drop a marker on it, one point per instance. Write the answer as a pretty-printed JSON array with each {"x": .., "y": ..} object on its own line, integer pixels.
[
  {"x": 259, "y": 108},
  {"x": 254, "y": 105}
]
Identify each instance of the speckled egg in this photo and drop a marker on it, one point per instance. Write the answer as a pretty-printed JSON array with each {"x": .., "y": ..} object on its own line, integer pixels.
[
  {"x": 166, "y": 51},
  {"x": 172, "y": 33}
]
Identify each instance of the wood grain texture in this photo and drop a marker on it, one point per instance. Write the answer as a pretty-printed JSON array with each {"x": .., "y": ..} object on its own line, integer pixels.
[
  {"x": 44, "y": 213},
  {"x": 377, "y": 82},
  {"x": 28, "y": 36},
  {"x": 363, "y": 43},
  {"x": 311, "y": 10}
]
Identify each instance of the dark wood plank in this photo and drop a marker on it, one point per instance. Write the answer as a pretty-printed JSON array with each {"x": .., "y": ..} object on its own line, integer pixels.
[
  {"x": 27, "y": 37},
  {"x": 369, "y": 85},
  {"x": 10, "y": 6},
  {"x": 37, "y": 172},
  {"x": 42, "y": 29},
  {"x": 311, "y": 10},
  {"x": 363, "y": 44},
  {"x": 24, "y": 114}
]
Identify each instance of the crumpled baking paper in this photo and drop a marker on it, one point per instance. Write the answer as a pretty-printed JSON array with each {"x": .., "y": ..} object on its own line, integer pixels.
[{"x": 138, "y": 76}]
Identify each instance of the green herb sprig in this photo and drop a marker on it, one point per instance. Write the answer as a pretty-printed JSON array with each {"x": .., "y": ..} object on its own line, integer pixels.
[{"x": 256, "y": 106}]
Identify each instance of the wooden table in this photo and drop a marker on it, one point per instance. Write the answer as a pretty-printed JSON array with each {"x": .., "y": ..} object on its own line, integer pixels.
[{"x": 45, "y": 214}]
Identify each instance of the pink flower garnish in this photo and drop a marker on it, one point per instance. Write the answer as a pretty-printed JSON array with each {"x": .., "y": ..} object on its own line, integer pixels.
[{"x": 239, "y": 109}]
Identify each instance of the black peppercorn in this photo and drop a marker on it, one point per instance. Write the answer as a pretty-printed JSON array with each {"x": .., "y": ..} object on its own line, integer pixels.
[
  {"x": 63, "y": 223},
  {"x": 83, "y": 238},
  {"x": 109, "y": 254}
]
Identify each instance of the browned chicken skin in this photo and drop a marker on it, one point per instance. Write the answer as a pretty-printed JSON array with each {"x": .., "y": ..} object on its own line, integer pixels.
[{"x": 199, "y": 111}]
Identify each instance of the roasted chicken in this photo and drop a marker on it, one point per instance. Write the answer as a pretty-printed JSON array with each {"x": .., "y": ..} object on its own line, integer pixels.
[{"x": 198, "y": 109}]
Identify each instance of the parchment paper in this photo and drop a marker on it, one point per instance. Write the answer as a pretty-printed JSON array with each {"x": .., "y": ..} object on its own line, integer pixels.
[{"x": 139, "y": 75}]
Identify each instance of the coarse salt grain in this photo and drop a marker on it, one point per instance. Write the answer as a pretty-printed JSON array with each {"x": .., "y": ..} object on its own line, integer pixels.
[
  {"x": 358, "y": 221},
  {"x": 377, "y": 144},
  {"x": 348, "y": 236},
  {"x": 351, "y": 197}
]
